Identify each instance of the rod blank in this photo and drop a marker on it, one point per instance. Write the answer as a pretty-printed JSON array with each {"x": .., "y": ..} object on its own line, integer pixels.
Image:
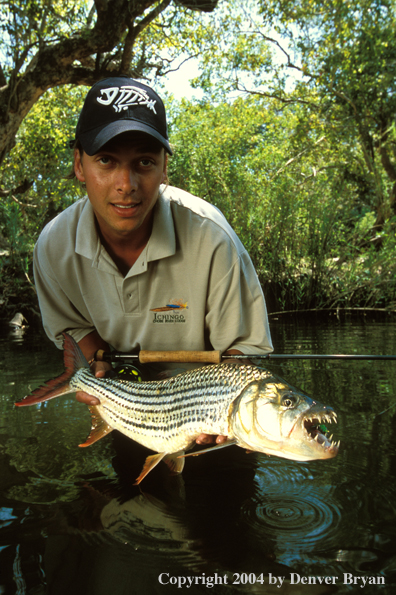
[{"x": 215, "y": 357}]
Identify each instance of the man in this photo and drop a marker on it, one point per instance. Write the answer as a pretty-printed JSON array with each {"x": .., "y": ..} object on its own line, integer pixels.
[{"x": 137, "y": 264}]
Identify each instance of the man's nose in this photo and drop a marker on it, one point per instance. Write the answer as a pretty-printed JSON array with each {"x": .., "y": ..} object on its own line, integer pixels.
[{"x": 126, "y": 180}]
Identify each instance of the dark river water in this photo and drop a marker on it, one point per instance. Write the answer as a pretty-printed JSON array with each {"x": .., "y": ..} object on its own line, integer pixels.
[{"x": 72, "y": 522}]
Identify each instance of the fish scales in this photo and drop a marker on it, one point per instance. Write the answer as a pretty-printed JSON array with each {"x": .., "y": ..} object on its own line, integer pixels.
[
  {"x": 168, "y": 414},
  {"x": 255, "y": 409}
]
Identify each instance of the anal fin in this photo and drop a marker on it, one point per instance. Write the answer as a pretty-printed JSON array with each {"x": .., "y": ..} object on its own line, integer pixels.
[
  {"x": 209, "y": 449},
  {"x": 99, "y": 427},
  {"x": 149, "y": 464}
]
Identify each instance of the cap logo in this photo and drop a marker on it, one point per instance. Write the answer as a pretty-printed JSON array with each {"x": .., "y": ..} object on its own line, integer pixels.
[{"x": 121, "y": 98}]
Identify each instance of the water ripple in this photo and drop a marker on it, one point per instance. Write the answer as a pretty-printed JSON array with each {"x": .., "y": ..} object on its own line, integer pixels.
[{"x": 293, "y": 511}]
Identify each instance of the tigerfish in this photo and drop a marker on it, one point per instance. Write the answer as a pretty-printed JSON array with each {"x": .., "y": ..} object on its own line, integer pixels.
[{"x": 255, "y": 409}]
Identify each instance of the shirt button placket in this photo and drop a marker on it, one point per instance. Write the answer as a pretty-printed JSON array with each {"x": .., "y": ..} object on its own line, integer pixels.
[{"x": 131, "y": 296}]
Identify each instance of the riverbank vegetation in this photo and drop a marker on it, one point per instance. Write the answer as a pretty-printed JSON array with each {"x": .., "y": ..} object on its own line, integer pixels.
[{"x": 293, "y": 138}]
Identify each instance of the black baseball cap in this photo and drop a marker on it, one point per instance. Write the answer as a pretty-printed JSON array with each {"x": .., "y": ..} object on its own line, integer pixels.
[{"x": 120, "y": 104}]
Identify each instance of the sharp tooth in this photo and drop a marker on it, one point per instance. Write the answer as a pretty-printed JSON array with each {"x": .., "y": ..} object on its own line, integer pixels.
[
  {"x": 316, "y": 438},
  {"x": 331, "y": 438}
]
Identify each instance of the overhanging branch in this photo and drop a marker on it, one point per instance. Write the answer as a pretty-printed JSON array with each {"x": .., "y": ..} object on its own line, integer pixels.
[{"x": 134, "y": 31}]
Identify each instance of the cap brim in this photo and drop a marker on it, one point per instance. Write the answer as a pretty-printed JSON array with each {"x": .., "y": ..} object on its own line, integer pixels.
[{"x": 93, "y": 140}]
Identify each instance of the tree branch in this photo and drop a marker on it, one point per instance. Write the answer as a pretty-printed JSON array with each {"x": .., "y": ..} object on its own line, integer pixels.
[
  {"x": 320, "y": 140},
  {"x": 134, "y": 31},
  {"x": 71, "y": 59},
  {"x": 241, "y": 87}
]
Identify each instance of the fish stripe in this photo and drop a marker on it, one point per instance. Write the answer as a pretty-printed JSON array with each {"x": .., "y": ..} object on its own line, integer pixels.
[{"x": 158, "y": 412}]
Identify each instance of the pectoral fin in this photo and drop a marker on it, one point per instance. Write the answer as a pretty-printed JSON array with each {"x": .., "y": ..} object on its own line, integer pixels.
[
  {"x": 99, "y": 428},
  {"x": 210, "y": 449},
  {"x": 149, "y": 464},
  {"x": 175, "y": 462}
]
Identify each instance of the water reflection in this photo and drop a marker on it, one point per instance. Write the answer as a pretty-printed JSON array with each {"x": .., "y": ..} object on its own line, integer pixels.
[{"x": 71, "y": 520}]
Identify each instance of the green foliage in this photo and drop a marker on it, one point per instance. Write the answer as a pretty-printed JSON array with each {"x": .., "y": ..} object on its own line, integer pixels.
[
  {"x": 26, "y": 25},
  {"x": 334, "y": 58},
  {"x": 303, "y": 166},
  {"x": 293, "y": 199},
  {"x": 43, "y": 157}
]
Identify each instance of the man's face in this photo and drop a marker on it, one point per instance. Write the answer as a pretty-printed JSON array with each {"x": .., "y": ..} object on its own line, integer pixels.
[{"x": 122, "y": 182}]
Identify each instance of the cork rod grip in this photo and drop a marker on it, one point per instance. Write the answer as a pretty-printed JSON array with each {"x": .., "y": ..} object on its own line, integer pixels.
[{"x": 207, "y": 357}]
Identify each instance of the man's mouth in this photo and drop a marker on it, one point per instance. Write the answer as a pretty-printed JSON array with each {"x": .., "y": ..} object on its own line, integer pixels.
[
  {"x": 121, "y": 206},
  {"x": 125, "y": 210}
]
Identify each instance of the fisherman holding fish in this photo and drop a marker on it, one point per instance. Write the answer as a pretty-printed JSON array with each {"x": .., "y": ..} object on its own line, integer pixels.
[{"x": 137, "y": 264}]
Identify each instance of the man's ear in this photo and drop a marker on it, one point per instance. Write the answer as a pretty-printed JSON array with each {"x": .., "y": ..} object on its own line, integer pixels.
[{"x": 78, "y": 167}]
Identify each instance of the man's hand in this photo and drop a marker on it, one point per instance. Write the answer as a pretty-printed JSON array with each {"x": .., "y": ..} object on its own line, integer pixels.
[
  {"x": 99, "y": 369},
  {"x": 209, "y": 438},
  {"x": 88, "y": 345}
]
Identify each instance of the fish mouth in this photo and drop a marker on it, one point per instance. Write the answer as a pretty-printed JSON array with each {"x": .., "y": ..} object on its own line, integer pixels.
[{"x": 313, "y": 424}]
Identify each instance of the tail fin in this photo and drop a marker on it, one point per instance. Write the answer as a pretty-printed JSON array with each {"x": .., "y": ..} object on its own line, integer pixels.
[{"x": 73, "y": 360}]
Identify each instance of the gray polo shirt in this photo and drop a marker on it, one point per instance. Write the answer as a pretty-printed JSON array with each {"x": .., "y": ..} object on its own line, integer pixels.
[{"x": 192, "y": 287}]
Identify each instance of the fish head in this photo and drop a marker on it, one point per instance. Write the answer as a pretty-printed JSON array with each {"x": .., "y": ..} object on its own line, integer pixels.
[{"x": 272, "y": 417}]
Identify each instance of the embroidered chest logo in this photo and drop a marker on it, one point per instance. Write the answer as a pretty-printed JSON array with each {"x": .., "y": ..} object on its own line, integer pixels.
[
  {"x": 172, "y": 309},
  {"x": 121, "y": 98}
]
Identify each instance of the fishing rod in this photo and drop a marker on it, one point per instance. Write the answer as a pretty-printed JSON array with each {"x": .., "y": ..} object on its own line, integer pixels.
[{"x": 216, "y": 357}]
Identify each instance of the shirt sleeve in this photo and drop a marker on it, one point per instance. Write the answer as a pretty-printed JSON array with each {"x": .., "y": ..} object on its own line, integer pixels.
[
  {"x": 237, "y": 314},
  {"x": 57, "y": 311}
]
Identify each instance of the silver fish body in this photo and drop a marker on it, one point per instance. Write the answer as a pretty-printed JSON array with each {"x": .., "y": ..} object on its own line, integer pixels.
[
  {"x": 252, "y": 407},
  {"x": 167, "y": 415}
]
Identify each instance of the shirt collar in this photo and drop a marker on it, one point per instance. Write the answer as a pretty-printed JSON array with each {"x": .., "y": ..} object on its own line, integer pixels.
[
  {"x": 87, "y": 239},
  {"x": 162, "y": 242}
]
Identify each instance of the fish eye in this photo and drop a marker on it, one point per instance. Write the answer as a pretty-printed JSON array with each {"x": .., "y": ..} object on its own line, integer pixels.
[{"x": 289, "y": 400}]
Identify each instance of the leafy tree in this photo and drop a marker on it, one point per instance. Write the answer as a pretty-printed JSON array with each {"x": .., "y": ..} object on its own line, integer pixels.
[
  {"x": 47, "y": 44},
  {"x": 335, "y": 58}
]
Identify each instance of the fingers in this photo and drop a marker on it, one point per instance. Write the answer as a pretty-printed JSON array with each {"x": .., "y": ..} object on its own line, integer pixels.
[
  {"x": 210, "y": 439},
  {"x": 86, "y": 398},
  {"x": 99, "y": 369}
]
